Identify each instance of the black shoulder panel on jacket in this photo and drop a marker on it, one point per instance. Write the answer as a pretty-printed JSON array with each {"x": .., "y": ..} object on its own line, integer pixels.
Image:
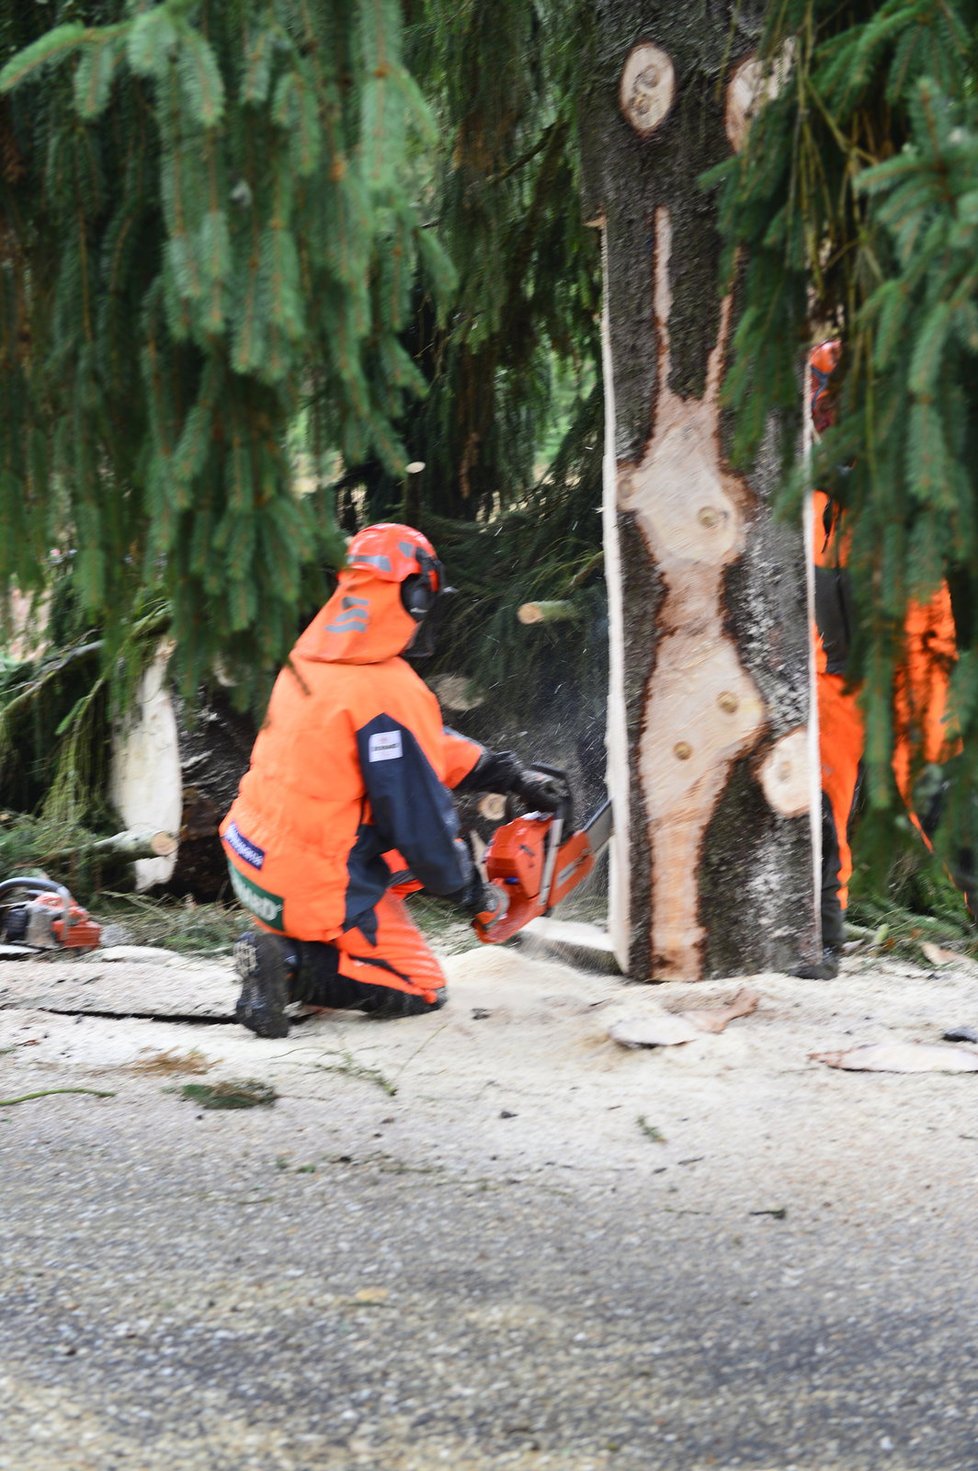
[{"x": 411, "y": 810}]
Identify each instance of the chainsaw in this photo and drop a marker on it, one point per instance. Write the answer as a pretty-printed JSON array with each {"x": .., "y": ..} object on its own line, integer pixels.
[
  {"x": 531, "y": 866},
  {"x": 48, "y": 919}
]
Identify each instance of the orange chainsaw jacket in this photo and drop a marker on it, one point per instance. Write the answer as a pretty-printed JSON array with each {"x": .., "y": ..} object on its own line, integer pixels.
[{"x": 353, "y": 761}]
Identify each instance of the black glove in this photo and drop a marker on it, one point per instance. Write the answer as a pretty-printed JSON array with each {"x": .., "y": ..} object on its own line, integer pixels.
[
  {"x": 540, "y": 792},
  {"x": 504, "y": 772}
]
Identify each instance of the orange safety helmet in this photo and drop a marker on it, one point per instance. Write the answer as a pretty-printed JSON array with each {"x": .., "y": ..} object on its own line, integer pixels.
[
  {"x": 822, "y": 363},
  {"x": 396, "y": 553}
]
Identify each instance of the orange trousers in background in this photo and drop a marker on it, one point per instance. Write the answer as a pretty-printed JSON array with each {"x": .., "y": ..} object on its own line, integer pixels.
[{"x": 919, "y": 710}]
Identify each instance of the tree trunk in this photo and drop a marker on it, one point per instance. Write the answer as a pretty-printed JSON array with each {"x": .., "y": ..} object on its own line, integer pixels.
[
  {"x": 179, "y": 771},
  {"x": 145, "y": 783},
  {"x": 709, "y": 745},
  {"x": 215, "y": 748}
]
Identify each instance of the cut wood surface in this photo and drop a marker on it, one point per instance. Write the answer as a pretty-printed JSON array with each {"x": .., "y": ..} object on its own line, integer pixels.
[
  {"x": 181, "y": 767},
  {"x": 717, "y": 1018},
  {"x": 492, "y": 806}
]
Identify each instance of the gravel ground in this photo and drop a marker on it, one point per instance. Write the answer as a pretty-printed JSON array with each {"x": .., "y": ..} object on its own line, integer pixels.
[{"x": 487, "y": 1238}]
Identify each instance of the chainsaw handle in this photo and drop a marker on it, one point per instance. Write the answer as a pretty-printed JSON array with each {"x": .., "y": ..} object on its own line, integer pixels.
[
  {"x": 44, "y": 886},
  {"x": 495, "y": 901},
  {"x": 507, "y": 912}
]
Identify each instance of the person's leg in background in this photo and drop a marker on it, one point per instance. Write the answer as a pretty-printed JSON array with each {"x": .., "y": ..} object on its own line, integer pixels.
[
  {"x": 920, "y": 698},
  {"x": 841, "y": 735},
  {"x": 924, "y": 746}
]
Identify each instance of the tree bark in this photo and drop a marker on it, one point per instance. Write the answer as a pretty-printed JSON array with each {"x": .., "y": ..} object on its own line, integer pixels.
[{"x": 709, "y": 740}]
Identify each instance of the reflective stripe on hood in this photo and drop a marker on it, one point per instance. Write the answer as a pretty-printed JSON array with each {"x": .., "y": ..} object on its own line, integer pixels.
[{"x": 364, "y": 622}]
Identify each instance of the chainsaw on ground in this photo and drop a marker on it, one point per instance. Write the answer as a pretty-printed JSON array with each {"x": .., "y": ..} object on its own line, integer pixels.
[
  {"x": 47, "y": 918},
  {"x": 531, "y": 866}
]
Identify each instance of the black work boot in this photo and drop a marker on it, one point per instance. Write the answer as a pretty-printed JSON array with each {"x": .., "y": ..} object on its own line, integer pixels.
[
  {"x": 262, "y": 964},
  {"x": 825, "y": 969}
]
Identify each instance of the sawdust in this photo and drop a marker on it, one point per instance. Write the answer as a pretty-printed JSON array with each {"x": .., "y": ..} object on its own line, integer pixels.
[{"x": 520, "y": 1071}]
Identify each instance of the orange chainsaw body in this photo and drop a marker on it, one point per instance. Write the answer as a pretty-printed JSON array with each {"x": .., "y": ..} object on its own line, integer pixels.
[
  {"x": 82, "y": 931},
  {"x": 48, "y": 920},
  {"x": 516, "y": 863}
]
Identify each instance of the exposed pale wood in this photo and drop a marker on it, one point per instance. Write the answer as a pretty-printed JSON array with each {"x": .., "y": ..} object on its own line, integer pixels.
[
  {"x": 664, "y": 1030},
  {"x": 584, "y": 945},
  {"x": 751, "y": 84},
  {"x": 457, "y": 692},
  {"x": 146, "y": 782},
  {"x": 647, "y": 88},
  {"x": 717, "y": 1018},
  {"x": 901, "y": 1057},
  {"x": 618, "y": 777},
  {"x": 138, "y": 845},
  {"x": 703, "y": 710},
  {"x": 786, "y": 774}
]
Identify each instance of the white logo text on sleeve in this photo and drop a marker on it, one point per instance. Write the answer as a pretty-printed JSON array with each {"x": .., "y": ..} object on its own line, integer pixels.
[{"x": 385, "y": 745}]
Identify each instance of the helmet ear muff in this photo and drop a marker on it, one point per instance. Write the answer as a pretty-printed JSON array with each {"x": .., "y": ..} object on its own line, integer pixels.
[
  {"x": 421, "y": 590},
  {"x": 418, "y": 595}
]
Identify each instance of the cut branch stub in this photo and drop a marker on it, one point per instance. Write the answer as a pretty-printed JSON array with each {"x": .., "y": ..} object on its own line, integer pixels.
[
  {"x": 130, "y": 846},
  {"x": 492, "y": 806},
  {"x": 648, "y": 87},
  {"x": 751, "y": 85},
  {"x": 786, "y": 774},
  {"x": 557, "y": 610}
]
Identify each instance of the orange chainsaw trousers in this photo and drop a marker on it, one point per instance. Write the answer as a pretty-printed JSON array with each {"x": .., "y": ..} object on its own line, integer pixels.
[
  {"x": 841, "y": 735},
  {"x": 390, "y": 969},
  {"x": 919, "y": 708}
]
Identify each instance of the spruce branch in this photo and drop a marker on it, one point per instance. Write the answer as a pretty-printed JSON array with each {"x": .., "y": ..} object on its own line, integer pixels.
[{"x": 53, "y": 47}]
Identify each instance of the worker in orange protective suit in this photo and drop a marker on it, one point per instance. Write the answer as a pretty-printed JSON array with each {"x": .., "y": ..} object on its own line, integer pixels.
[
  {"x": 920, "y": 696},
  {"x": 348, "y": 784}
]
